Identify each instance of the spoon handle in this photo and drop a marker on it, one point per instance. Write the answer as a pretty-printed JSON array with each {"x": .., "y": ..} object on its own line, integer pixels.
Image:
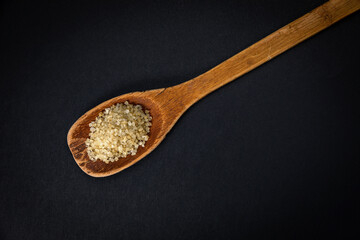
[{"x": 264, "y": 50}]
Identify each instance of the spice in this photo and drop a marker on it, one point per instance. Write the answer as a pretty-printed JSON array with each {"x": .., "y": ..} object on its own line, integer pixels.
[{"x": 117, "y": 132}]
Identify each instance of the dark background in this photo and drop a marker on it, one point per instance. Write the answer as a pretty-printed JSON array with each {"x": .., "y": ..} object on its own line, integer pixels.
[{"x": 271, "y": 155}]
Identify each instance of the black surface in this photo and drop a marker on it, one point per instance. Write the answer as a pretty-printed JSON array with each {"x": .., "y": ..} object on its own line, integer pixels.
[{"x": 271, "y": 155}]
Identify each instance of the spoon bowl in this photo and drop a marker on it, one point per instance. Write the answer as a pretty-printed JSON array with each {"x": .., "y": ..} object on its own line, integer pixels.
[
  {"x": 166, "y": 105},
  {"x": 80, "y": 130}
]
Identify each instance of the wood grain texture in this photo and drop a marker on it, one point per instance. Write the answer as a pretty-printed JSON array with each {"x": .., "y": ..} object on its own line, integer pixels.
[{"x": 166, "y": 105}]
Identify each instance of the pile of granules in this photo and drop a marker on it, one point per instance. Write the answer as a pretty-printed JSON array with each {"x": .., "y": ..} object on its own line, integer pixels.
[{"x": 117, "y": 132}]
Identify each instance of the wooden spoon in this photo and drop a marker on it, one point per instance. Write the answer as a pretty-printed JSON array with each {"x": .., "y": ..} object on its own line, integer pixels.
[{"x": 166, "y": 105}]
